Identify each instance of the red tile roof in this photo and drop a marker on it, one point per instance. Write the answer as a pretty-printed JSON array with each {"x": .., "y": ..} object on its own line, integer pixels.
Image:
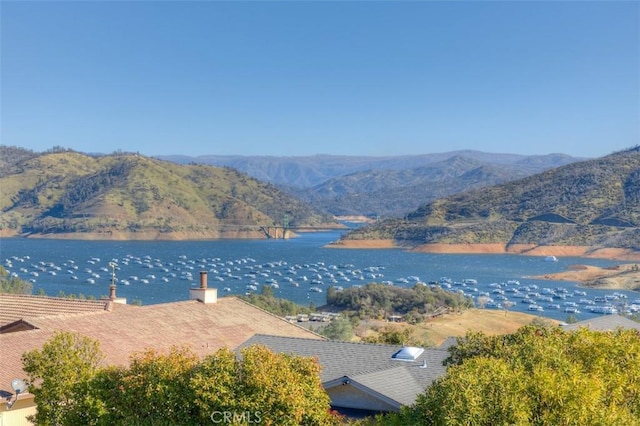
[
  {"x": 14, "y": 307},
  {"x": 126, "y": 329}
]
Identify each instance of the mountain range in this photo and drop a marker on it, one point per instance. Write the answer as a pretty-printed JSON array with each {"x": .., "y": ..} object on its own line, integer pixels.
[
  {"x": 382, "y": 186},
  {"x": 456, "y": 198},
  {"x": 592, "y": 203}
]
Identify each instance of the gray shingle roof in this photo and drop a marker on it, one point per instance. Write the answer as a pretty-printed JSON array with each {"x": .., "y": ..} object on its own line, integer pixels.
[
  {"x": 604, "y": 323},
  {"x": 369, "y": 365}
]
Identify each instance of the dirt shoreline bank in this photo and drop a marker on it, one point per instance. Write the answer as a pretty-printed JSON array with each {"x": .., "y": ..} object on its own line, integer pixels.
[
  {"x": 498, "y": 248},
  {"x": 619, "y": 277}
]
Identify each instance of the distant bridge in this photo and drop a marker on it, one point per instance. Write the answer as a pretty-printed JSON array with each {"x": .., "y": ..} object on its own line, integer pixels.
[
  {"x": 279, "y": 231},
  {"x": 276, "y": 231}
]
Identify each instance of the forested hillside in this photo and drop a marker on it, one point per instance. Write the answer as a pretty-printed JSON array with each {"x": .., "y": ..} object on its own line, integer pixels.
[
  {"x": 394, "y": 193},
  {"x": 389, "y": 186},
  {"x": 590, "y": 203},
  {"x": 131, "y": 196}
]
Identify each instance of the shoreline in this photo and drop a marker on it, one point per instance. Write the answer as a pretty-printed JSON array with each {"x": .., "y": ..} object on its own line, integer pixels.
[
  {"x": 610, "y": 253},
  {"x": 619, "y": 277}
]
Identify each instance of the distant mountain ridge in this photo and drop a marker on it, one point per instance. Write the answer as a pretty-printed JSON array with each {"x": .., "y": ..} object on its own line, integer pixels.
[
  {"x": 383, "y": 186},
  {"x": 594, "y": 203},
  {"x": 128, "y": 196},
  {"x": 309, "y": 171}
]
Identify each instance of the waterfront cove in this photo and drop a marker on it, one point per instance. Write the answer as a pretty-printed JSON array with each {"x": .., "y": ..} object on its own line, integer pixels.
[{"x": 301, "y": 269}]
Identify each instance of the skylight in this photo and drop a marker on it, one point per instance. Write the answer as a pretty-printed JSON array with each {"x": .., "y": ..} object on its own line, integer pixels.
[{"x": 408, "y": 353}]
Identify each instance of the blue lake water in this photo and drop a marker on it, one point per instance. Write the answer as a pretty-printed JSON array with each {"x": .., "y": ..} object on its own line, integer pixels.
[{"x": 158, "y": 272}]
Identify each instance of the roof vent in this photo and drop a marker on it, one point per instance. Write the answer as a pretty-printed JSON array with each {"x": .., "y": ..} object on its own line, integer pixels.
[{"x": 408, "y": 353}]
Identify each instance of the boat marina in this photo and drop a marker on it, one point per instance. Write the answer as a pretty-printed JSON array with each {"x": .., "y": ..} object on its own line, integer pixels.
[{"x": 301, "y": 271}]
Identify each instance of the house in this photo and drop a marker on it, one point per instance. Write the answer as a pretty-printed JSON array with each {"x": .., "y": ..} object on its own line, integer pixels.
[
  {"x": 205, "y": 323},
  {"x": 363, "y": 379},
  {"x": 604, "y": 323}
]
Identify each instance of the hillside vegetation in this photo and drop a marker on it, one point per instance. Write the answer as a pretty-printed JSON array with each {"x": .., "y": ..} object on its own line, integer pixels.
[
  {"x": 593, "y": 203},
  {"x": 383, "y": 187},
  {"x": 381, "y": 300},
  {"x": 394, "y": 193},
  {"x": 63, "y": 193}
]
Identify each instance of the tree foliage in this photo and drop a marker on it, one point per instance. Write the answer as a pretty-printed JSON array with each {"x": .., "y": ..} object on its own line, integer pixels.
[
  {"x": 279, "y": 389},
  {"x": 278, "y": 306},
  {"x": 14, "y": 285},
  {"x": 153, "y": 389},
  {"x": 174, "y": 388},
  {"x": 338, "y": 329},
  {"x": 536, "y": 376},
  {"x": 380, "y": 300},
  {"x": 58, "y": 375},
  {"x": 390, "y": 335}
]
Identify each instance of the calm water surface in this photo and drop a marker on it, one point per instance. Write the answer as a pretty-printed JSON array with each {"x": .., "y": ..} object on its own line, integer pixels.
[{"x": 157, "y": 272}]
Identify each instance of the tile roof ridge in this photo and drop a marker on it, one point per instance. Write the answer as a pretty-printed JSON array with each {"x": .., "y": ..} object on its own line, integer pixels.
[
  {"x": 276, "y": 316},
  {"x": 45, "y": 297},
  {"x": 165, "y": 304},
  {"x": 33, "y": 319}
]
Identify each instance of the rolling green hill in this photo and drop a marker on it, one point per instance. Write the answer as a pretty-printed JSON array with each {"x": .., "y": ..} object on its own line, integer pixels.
[
  {"x": 69, "y": 194},
  {"x": 589, "y": 203}
]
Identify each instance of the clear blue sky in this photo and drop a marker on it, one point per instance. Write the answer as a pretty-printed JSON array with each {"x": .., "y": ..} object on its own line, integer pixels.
[{"x": 302, "y": 78}]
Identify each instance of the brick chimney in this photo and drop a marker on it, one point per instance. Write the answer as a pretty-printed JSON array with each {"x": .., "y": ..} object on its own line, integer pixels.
[
  {"x": 203, "y": 279},
  {"x": 112, "y": 296},
  {"x": 203, "y": 293}
]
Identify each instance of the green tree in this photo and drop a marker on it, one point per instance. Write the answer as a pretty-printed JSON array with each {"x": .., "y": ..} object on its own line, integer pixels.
[
  {"x": 537, "y": 376},
  {"x": 390, "y": 335},
  {"x": 338, "y": 329},
  {"x": 262, "y": 387},
  {"x": 277, "y": 306},
  {"x": 58, "y": 377},
  {"x": 14, "y": 285},
  {"x": 174, "y": 388},
  {"x": 153, "y": 389}
]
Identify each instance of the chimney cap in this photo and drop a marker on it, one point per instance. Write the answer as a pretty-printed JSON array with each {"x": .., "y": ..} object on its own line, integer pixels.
[{"x": 203, "y": 279}]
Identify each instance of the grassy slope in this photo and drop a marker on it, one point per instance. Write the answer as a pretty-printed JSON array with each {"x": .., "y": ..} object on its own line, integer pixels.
[
  {"x": 591, "y": 203},
  {"x": 70, "y": 193},
  {"x": 436, "y": 330}
]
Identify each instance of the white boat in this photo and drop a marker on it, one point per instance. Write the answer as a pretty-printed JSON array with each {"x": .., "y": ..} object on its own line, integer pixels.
[{"x": 550, "y": 259}]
